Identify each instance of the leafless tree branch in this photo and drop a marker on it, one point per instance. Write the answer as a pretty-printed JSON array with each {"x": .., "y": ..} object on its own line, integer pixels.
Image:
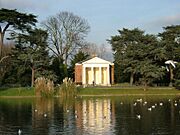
[{"x": 65, "y": 31}]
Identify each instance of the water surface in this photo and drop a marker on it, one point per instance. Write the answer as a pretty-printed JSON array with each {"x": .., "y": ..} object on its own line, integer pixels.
[{"x": 90, "y": 116}]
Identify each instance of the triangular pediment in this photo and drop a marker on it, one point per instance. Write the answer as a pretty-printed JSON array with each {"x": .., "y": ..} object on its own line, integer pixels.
[{"x": 96, "y": 60}]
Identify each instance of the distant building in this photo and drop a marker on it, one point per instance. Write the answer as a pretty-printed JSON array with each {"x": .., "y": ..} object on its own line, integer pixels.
[{"x": 94, "y": 71}]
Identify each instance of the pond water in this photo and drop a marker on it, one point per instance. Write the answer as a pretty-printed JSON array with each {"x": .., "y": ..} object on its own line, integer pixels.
[{"x": 91, "y": 116}]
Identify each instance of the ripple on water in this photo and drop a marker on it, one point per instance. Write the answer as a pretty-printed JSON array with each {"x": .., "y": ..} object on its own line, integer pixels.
[{"x": 99, "y": 116}]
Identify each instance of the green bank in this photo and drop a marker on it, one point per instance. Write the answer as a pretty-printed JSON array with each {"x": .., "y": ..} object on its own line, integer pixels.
[
  {"x": 118, "y": 91},
  {"x": 96, "y": 91},
  {"x": 21, "y": 91}
]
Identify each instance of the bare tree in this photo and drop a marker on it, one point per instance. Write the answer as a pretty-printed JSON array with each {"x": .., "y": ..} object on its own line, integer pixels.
[
  {"x": 91, "y": 49},
  {"x": 101, "y": 51},
  {"x": 66, "y": 32}
]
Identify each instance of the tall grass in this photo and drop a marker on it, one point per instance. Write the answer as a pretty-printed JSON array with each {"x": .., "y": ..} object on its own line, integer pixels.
[
  {"x": 44, "y": 87},
  {"x": 67, "y": 88}
]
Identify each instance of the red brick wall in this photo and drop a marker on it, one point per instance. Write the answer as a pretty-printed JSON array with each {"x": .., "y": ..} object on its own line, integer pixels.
[{"x": 78, "y": 74}]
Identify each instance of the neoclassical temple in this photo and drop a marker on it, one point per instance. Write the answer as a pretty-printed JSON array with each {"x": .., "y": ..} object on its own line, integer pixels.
[{"x": 94, "y": 71}]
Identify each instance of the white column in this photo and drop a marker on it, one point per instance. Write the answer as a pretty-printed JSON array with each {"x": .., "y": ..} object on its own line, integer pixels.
[
  {"x": 108, "y": 75},
  {"x": 100, "y": 75},
  {"x": 92, "y": 74},
  {"x": 84, "y": 76}
]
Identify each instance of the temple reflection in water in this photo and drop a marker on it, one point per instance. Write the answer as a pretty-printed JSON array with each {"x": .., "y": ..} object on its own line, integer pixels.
[
  {"x": 95, "y": 115},
  {"x": 89, "y": 116}
]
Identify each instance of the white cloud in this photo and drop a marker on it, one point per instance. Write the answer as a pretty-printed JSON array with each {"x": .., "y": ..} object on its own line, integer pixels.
[
  {"x": 25, "y": 5},
  {"x": 156, "y": 25},
  {"x": 168, "y": 20},
  {"x": 16, "y": 4}
]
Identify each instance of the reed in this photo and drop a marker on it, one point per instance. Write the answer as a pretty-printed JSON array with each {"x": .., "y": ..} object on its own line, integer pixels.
[
  {"x": 67, "y": 88},
  {"x": 44, "y": 87}
]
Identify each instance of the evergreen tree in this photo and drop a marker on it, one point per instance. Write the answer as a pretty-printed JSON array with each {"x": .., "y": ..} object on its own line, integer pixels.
[
  {"x": 137, "y": 54},
  {"x": 170, "y": 40},
  {"x": 80, "y": 56},
  {"x": 31, "y": 54},
  {"x": 59, "y": 68},
  {"x": 125, "y": 47},
  {"x": 14, "y": 20}
]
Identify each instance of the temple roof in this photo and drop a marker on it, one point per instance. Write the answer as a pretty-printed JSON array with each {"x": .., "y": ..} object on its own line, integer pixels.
[{"x": 95, "y": 60}]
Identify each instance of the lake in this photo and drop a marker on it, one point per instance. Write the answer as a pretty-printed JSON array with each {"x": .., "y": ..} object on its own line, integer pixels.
[{"x": 130, "y": 115}]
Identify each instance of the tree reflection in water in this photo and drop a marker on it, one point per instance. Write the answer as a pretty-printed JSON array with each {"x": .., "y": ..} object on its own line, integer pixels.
[{"x": 90, "y": 116}]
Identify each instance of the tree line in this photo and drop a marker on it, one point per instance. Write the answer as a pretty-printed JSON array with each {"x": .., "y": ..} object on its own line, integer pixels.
[
  {"x": 28, "y": 51},
  {"x": 52, "y": 49},
  {"x": 48, "y": 50},
  {"x": 147, "y": 59}
]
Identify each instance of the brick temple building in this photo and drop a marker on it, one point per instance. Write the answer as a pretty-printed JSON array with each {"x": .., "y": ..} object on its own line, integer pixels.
[{"x": 94, "y": 71}]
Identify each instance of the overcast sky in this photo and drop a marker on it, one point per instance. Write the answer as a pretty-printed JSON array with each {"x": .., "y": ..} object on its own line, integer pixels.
[{"x": 106, "y": 16}]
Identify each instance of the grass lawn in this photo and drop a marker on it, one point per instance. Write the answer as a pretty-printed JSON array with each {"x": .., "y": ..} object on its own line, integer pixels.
[
  {"x": 22, "y": 91},
  {"x": 96, "y": 91},
  {"x": 113, "y": 91}
]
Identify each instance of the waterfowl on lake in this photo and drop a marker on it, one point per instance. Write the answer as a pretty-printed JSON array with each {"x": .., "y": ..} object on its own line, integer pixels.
[
  {"x": 138, "y": 116},
  {"x": 135, "y": 104},
  {"x": 45, "y": 115},
  {"x": 149, "y": 109},
  {"x": 139, "y": 100},
  {"x": 19, "y": 132},
  {"x": 145, "y": 102}
]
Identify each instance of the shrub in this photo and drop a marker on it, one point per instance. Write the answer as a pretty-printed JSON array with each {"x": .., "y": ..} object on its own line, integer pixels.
[
  {"x": 67, "y": 88},
  {"x": 177, "y": 83},
  {"x": 44, "y": 87}
]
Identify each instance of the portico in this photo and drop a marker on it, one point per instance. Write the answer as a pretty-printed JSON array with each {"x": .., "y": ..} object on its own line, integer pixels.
[{"x": 95, "y": 71}]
